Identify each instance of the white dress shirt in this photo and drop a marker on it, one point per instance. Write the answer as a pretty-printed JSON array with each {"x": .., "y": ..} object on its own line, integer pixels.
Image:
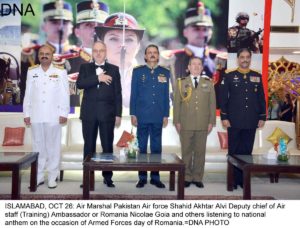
[{"x": 193, "y": 80}]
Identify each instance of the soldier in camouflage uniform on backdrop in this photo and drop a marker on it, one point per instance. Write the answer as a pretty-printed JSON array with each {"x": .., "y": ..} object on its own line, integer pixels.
[{"x": 241, "y": 37}]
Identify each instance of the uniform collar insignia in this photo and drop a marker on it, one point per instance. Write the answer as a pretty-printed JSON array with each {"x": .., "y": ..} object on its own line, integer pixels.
[
  {"x": 243, "y": 71},
  {"x": 152, "y": 68}
]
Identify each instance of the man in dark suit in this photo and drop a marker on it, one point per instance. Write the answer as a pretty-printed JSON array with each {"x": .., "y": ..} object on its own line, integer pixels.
[
  {"x": 243, "y": 107},
  {"x": 101, "y": 106}
]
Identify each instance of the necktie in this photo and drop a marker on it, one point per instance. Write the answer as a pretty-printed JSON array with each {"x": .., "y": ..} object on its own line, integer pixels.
[{"x": 196, "y": 82}]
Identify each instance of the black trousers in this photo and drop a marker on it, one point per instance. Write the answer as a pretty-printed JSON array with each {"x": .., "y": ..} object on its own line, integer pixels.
[
  {"x": 90, "y": 133},
  {"x": 240, "y": 141}
]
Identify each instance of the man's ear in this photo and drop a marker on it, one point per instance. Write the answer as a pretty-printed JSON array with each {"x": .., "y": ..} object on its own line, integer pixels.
[
  {"x": 76, "y": 32},
  {"x": 184, "y": 32}
]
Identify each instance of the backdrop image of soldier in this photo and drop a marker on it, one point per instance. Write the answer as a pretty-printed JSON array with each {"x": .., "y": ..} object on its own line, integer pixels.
[
  {"x": 9, "y": 80},
  {"x": 198, "y": 32},
  {"x": 156, "y": 30},
  {"x": 56, "y": 27},
  {"x": 122, "y": 36},
  {"x": 9, "y": 60},
  {"x": 89, "y": 14},
  {"x": 239, "y": 36}
]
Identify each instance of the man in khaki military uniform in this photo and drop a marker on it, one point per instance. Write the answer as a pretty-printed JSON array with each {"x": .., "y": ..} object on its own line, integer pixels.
[{"x": 194, "y": 117}]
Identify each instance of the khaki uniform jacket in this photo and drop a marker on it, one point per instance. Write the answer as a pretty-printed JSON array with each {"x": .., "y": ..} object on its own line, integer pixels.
[{"x": 194, "y": 108}]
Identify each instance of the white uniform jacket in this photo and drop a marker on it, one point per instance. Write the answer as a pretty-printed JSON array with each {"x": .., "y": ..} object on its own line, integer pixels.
[{"x": 47, "y": 95}]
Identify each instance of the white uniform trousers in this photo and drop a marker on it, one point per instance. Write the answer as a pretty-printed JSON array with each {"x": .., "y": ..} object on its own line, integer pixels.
[{"x": 46, "y": 139}]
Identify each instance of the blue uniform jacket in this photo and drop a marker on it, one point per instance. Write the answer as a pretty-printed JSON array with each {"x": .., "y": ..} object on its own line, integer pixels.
[
  {"x": 242, "y": 99},
  {"x": 149, "y": 100}
]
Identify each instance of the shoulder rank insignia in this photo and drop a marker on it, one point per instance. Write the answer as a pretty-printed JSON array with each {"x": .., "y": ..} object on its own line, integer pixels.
[
  {"x": 86, "y": 56},
  {"x": 138, "y": 66},
  {"x": 255, "y": 71},
  {"x": 182, "y": 78},
  {"x": 59, "y": 66},
  {"x": 206, "y": 77},
  {"x": 229, "y": 70},
  {"x": 34, "y": 66},
  {"x": 188, "y": 51},
  {"x": 164, "y": 67}
]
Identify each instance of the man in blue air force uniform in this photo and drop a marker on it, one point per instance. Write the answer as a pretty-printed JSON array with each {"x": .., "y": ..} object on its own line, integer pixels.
[
  {"x": 149, "y": 107},
  {"x": 243, "y": 108}
]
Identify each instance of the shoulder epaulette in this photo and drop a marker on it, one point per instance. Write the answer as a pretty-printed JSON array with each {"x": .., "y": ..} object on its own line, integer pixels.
[
  {"x": 206, "y": 77},
  {"x": 34, "y": 66},
  {"x": 229, "y": 70},
  {"x": 138, "y": 66},
  {"x": 59, "y": 66},
  {"x": 84, "y": 55},
  {"x": 165, "y": 67},
  {"x": 188, "y": 51},
  {"x": 256, "y": 71},
  {"x": 181, "y": 78}
]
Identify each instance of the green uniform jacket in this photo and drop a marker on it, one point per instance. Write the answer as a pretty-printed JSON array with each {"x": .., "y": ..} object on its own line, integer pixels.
[{"x": 194, "y": 108}]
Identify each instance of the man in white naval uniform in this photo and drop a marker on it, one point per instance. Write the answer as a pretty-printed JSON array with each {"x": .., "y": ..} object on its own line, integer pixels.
[{"x": 46, "y": 107}]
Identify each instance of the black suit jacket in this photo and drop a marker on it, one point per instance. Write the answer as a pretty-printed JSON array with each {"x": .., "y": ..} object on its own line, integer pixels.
[{"x": 100, "y": 101}]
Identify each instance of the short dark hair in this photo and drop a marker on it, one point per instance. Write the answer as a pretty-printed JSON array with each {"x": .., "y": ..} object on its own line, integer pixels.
[
  {"x": 46, "y": 46},
  {"x": 195, "y": 57},
  {"x": 151, "y": 45},
  {"x": 243, "y": 50}
]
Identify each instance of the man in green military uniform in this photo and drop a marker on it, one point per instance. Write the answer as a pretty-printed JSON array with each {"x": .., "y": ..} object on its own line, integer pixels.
[{"x": 194, "y": 117}]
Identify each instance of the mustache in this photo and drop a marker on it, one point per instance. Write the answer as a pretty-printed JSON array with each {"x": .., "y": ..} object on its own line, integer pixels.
[{"x": 44, "y": 58}]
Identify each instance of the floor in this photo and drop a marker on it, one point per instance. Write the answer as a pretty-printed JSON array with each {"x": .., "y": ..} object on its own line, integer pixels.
[{"x": 214, "y": 184}]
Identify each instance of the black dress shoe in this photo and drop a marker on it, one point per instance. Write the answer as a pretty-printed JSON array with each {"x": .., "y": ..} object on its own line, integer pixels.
[
  {"x": 141, "y": 183},
  {"x": 158, "y": 184},
  {"x": 109, "y": 183},
  {"x": 187, "y": 184},
  {"x": 199, "y": 184},
  {"x": 41, "y": 183}
]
